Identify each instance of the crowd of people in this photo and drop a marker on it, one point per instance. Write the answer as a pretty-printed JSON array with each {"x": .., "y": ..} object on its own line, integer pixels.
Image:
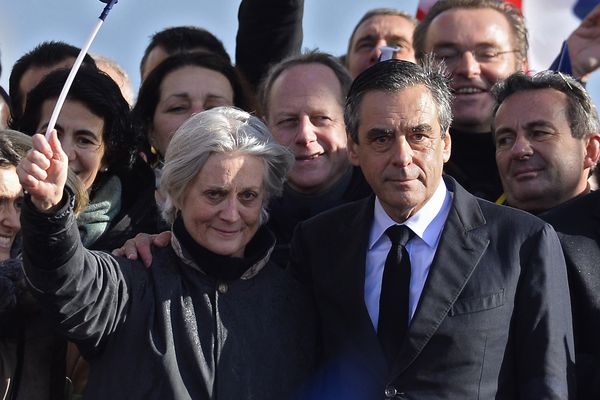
[{"x": 414, "y": 219}]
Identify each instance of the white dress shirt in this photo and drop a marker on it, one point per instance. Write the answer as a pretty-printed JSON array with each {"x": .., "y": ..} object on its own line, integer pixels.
[{"x": 427, "y": 224}]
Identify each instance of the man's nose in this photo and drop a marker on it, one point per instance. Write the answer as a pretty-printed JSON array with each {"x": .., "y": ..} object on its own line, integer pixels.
[
  {"x": 467, "y": 65},
  {"x": 402, "y": 152},
  {"x": 521, "y": 148},
  {"x": 306, "y": 131}
]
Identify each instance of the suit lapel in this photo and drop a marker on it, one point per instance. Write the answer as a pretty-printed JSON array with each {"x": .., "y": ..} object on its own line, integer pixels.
[
  {"x": 457, "y": 256},
  {"x": 351, "y": 253}
]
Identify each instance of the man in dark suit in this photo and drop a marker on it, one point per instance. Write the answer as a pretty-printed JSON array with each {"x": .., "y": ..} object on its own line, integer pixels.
[
  {"x": 578, "y": 225},
  {"x": 485, "y": 310}
]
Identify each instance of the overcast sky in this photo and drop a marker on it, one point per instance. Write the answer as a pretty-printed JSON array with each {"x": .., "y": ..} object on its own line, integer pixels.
[{"x": 123, "y": 37}]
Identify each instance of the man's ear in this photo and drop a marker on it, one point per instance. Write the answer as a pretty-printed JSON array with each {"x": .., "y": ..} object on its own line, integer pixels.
[
  {"x": 525, "y": 67},
  {"x": 447, "y": 143},
  {"x": 592, "y": 150},
  {"x": 352, "y": 147}
]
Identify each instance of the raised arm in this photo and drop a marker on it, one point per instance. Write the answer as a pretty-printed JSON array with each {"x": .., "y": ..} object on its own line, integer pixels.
[
  {"x": 584, "y": 45},
  {"x": 86, "y": 292}
]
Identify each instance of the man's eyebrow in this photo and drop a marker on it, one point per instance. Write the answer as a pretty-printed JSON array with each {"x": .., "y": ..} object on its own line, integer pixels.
[
  {"x": 421, "y": 128},
  {"x": 540, "y": 123},
  {"x": 376, "y": 132}
]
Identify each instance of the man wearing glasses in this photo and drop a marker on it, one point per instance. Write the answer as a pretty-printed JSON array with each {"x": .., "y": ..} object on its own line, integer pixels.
[{"x": 482, "y": 42}]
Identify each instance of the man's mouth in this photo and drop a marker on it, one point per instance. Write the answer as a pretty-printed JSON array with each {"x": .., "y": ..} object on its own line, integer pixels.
[
  {"x": 468, "y": 90},
  {"x": 308, "y": 157},
  {"x": 6, "y": 241}
]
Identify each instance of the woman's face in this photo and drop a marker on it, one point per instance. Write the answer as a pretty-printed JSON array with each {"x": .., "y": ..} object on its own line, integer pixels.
[
  {"x": 80, "y": 134},
  {"x": 11, "y": 197},
  {"x": 183, "y": 92},
  {"x": 221, "y": 206}
]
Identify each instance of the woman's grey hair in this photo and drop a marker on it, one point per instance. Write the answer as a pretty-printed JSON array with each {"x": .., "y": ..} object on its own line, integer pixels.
[
  {"x": 220, "y": 130},
  {"x": 393, "y": 76}
]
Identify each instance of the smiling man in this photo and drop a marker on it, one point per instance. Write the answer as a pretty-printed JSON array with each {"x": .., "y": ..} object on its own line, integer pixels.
[
  {"x": 547, "y": 139},
  {"x": 302, "y": 98},
  {"x": 481, "y": 42}
]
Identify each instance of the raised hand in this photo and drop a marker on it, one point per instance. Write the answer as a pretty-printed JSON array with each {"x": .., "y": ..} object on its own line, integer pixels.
[
  {"x": 584, "y": 45},
  {"x": 43, "y": 172}
]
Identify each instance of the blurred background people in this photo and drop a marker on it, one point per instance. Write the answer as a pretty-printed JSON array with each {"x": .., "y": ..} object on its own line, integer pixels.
[
  {"x": 378, "y": 28},
  {"x": 34, "y": 65},
  {"x": 182, "y": 85}
]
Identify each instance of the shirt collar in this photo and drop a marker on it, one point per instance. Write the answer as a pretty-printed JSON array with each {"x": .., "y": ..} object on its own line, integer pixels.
[{"x": 418, "y": 223}]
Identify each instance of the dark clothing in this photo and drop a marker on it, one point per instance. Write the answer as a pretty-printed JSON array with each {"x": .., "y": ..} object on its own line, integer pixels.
[
  {"x": 473, "y": 164},
  {"x": 493, "y": 320},
  {"x": 170, "y": 331},
  {"x": 578, "y": 225},
  {"x": 292, "y": 207},
  {"x": 268, "y": 31},
  {"x": 139, "y": 212},
  {"x": 31, "y": 352}
]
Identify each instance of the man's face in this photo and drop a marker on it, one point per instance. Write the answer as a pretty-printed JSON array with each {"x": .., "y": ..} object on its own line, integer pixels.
[
  {"x": 460, "y": 34},
  {"x": 375, "y": 32},
  {"x": 400, "y": 148},
  {"x": 541, "y": 164},
  {"x": 305, "y": 114}
]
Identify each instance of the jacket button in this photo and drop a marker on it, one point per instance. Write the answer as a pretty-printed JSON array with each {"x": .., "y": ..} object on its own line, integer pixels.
[
  {"x": 223, "y": 288},
  {"x": 390, "y": 392}
]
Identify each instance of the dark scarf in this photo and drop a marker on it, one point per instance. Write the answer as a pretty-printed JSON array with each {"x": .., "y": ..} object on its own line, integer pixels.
[
  {"x": 473, "y": 163},
  {"x": 224, "y": 268}
]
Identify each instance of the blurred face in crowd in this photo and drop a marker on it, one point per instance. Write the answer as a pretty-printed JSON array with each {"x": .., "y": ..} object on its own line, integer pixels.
[
  {"x": 157, "y": 55},
  {"x": 34, "y": 75},
  {"x": 305, "y": 114},
  {"x": 221, "y": 206},
  {"x": 400, "y": 148},
  {"x": 11, "y": 197},
  {"x": 183, "y": 92},
  {"x": 81, "y": 135},
  {"x": 541, "y": 164},
  {"x": 375, "y": 32},
  {"x": 478, "y": 47}
]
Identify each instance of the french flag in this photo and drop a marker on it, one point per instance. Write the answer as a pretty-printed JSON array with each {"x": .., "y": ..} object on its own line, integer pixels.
[{"x": 549, "y": 22}]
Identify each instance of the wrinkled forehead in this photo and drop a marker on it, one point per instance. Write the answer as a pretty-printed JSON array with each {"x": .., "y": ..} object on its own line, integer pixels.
[{"x": 470, "y": 27}]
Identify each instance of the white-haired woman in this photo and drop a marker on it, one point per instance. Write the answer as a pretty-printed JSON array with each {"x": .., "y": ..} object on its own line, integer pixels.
[{"x": 212, "y": 318}]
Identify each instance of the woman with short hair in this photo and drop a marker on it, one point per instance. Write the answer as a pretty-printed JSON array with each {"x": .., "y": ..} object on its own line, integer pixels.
[{"x": 212, "y": 318}]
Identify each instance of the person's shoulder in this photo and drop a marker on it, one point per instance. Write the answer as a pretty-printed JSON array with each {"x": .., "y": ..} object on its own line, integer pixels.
[
  {"x": 507, "y": 215},
  {"x": 579, "y": 208},
  {"x": 340, "y": 213}
]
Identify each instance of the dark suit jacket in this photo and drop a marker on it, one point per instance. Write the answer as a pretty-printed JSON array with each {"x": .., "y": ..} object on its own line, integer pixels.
[
  {"x": 578, "y": 225},
  {"x": 493, "y": 320}
]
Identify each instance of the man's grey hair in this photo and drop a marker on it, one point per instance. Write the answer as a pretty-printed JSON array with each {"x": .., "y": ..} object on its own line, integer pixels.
[
  {"x": 393, "y": 76},
  {"x": 216, "y": 131},
  {"x": 581, "y": 112}
]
